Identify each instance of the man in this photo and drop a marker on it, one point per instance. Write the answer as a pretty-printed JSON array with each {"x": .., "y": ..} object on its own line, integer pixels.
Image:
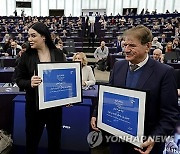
[
  {"x": 91, "y": 34},
  {"x": 59, "y": 45},
  {"x": 163, "y": 39},
  {"x": 22, "y": 13},
  {"x": 156, "y": 44},
  {"x": 148, "y": 75},
  {"x": 157, "y": 55},
  {"x": 101, "y": 54},
  {"x": 117, "y": 44},
  {"x": 13, "y": 51},
  {"x": 15, "y": 13}
]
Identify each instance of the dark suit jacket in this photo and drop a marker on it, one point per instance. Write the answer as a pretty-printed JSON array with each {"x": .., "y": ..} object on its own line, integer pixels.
[
  {"x": 118, "y": 47},
  {"x": 9, "y": 51},
  {"x": 162, "y": 104},
  {"x": 26, "y": 69}
]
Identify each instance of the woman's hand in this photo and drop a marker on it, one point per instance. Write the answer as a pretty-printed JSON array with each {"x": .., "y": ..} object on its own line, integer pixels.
[
  {"x": 35, "y": 81},
  {"x": 83, "y": 83}
]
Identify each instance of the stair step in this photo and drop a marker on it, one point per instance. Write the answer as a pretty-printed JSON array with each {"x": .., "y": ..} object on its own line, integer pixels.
[
  {"x": 89, "y": 55},
  {"x": 91, "y": 61},
  {"x": 89, "y": 50}
]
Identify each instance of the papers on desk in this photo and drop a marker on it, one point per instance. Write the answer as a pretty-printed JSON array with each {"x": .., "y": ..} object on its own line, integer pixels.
[{"x": 88, "y": 87}]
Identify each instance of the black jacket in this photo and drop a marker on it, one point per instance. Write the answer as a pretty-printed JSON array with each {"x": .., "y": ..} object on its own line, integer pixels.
[
  {"x": 26, "y": 69},
  {"x": 10, "y": 52},
  {"x": 162, "y": 104}
]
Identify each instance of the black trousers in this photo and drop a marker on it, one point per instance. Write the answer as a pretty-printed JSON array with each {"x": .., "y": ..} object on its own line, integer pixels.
[
  {"x": 35, "y": 124},
  {"x": 91, "y": 39},
  {"x": 127, "y": 148}
]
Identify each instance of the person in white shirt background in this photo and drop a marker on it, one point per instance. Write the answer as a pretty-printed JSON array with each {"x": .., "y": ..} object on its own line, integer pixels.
[
  {"x": 88, "y": 78},
  {"x": 101, "y": 54},
  {"x": 156, "y": 44},
  {"x": 157, "y": 55}
]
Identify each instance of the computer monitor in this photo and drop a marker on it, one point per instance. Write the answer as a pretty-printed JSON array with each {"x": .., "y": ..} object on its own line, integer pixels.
[{"x": 171, "y": 57}]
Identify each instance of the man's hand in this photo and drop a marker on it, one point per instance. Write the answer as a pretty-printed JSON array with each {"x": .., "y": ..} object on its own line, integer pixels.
[
  {"x": 93, "y": 124},
  {"x": 149, "y": 144}
]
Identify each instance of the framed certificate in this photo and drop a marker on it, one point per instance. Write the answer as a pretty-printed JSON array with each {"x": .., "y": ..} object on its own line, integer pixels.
[
  {"x": 121, "y": 112},
  {"x": 61, "y": 84}
]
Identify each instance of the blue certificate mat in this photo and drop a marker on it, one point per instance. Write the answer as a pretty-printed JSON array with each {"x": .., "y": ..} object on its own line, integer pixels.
[
  {"x": 121, "y": 112},
  {"x": 61, "y": 84}
]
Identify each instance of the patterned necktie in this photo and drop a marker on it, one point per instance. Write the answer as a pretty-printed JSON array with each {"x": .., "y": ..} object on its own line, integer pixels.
[{"x": 133, "y": 67}]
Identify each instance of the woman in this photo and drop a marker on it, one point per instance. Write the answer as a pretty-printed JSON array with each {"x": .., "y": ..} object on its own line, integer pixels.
[
  {"x": 88, "y": 78},
  {"x": 59, "y": 45},
  {"x": 169, "y": 47},
  {"x": 41, "y": 49}
]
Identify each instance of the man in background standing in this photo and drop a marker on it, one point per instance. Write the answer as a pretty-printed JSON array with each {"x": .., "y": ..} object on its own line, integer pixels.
[{"x": 91, "y": 34}]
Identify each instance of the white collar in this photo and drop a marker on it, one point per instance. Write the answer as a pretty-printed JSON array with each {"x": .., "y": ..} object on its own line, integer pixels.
[{"x": 141, "y": 64}]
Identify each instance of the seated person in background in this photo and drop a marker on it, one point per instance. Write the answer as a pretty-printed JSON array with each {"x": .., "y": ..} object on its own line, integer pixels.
[
  {"x": 64, "y": 32},
  {"x": 6, "y": 37},
  {"x": 177, "y": 32},
  {"x": 88, "y": 78},
  {"x": 156, "y": 26},
  {"x": 176, "y": 43},
  {"x": 24, "y": 48},
  {"x": 20, "y": 38},
  {"x": 169, "y": 47},
  {"x": 157, "y": 55},
  {"x": 17, "y": 45},
  {"x": 6, "y": 45},
  {"x": 156, "y": 44},
  {"x": 101, "y": 54},
  {"x": 55, "y": 37},
  {"x": 163, "y": 39},
  {"x": 59, "y": 45},
  {"x": 168, "y": 26},
  {"x": 13, "y": 51}
]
